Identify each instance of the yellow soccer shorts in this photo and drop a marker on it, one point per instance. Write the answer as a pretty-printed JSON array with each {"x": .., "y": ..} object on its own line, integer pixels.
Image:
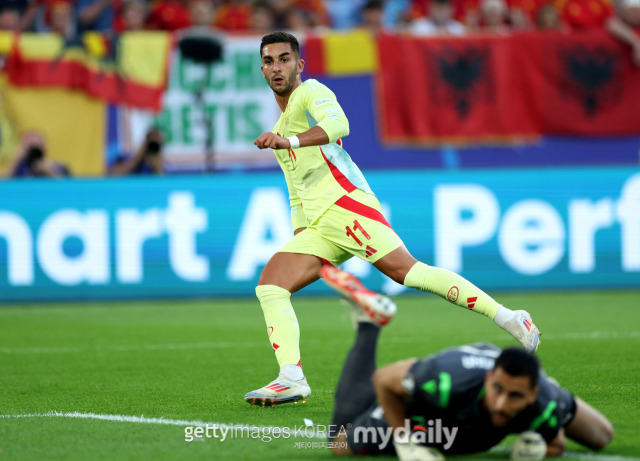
[{"x": 353, "y": 226}]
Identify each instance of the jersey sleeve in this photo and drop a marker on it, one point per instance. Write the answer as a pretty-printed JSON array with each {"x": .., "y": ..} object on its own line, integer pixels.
[
  {"x": 557, "y": 409},
  {"x": 425, "y": 384},
  {"x": 322, "y": 105},
  {"x": 298, "y": 218}
]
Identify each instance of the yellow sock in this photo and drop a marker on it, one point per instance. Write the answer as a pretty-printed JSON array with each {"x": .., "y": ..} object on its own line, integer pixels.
[
  {"x": 282, "y": 324},
  {"x": 452, "y": 287}
]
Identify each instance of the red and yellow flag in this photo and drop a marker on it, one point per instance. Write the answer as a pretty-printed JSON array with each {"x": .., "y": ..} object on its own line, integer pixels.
[{"x": 132, "y": 70}]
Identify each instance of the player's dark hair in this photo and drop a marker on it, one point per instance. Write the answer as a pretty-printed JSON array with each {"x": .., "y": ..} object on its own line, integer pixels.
[
  {"x": 281, "y": 37},
  {"x": 518, "y": 362}
]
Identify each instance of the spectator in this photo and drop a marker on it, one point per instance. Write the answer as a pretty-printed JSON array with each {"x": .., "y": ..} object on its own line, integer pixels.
[
  {"x": 32, "y": 17},
  {"x": 296, "y": 21},
  {"x": 263, "y": 18},
  {"x": 439, "y": 22},
  {"x": 548, "y": 18},
  {"x": 315, "y": 12},
  {"x": 519, "y": 15},
  {"x": 630, "y": 13},
  {"x": 523, "y": 14},
  {"x": 201, "y": 13},
  {"x": 132, "y": 17},
  {"x": 372, "y": 17},
  {"x": 344, "y": 14},
  {"x": 169, "y": 15},
  {"x": 61, "y": 20},
  {"x": 147, "y": 160},
  {"x": 234, "y": 15},
  {"x": 31, "y": 160},
  {"x": 395, "y": 13},
  {"x": 464, "y": 11},
  {"x": 494, "y": 15},
  {"x": 280, "y": 9},
  {"x": 10, "y": 13},
  {"x": 584, "y": 14},
  {"x": 98, "y": 15}
]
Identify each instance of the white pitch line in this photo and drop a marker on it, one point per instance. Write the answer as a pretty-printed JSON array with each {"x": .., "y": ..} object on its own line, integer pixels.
[
  {"x": 139, "y": 419},
  {"x": 250, "y": 344},
  {"x": 129, "y": 347},
  {"x": 262, "y": 429}
]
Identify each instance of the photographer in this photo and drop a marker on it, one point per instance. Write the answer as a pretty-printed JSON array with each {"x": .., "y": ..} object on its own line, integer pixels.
[
  {"x": 31, "y": 160},
  {"x": 147, "y": 160}
]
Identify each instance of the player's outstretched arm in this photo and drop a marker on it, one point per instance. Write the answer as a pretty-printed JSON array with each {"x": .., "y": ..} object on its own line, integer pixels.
[
  {"x": 589, "y": 427},
  {"x": 557, "y": 446},
  {"x": 392, "y": 396}
]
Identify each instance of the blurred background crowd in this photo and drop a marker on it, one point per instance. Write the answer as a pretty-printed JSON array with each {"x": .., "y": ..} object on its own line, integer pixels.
[
  {"x": 420, "y": 17},
  {"x": 72, "y": 19}
]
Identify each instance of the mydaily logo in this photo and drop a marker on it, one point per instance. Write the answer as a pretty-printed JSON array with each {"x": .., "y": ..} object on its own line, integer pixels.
[{"x": 434, "y": 432}]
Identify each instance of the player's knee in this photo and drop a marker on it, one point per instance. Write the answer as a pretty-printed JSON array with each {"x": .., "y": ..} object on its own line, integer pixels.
[
  {"x": 396, "y": 269},
  {"x": 396, "y": 264},
  {"x": 267, "y": 293},
  {"x": 398, "y": 275}
]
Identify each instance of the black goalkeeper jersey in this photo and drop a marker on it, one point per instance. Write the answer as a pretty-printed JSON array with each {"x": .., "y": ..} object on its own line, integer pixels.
[{"x": 450, "y": 385}]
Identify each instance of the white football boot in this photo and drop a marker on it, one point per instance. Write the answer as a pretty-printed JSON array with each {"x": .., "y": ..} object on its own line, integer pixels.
[
  {"x": 281, "y": 390},
  {"x": 522, "y": 328},
  {"x": 367, "y": 305}
]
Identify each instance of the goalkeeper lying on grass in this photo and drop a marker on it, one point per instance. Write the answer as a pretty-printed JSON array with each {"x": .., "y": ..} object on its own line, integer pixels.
[{"x": 461, "y": 400}]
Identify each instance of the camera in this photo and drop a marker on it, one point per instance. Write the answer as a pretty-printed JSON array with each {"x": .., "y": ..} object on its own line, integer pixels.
[
  {"x": 33, "y": 155},
  {"x": 153, "y": 147}
]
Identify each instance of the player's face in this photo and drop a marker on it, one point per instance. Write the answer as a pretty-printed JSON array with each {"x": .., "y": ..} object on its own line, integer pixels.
[
  {"x": 507, "y": 395},
  {"x": 281, "y": 67}
]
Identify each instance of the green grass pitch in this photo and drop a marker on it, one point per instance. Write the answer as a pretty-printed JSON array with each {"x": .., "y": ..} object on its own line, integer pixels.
[{"x": 194, "y": 360}]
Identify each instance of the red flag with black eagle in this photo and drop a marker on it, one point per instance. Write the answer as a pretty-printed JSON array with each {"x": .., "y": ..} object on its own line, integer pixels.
[{"x": 501, "y": 88}]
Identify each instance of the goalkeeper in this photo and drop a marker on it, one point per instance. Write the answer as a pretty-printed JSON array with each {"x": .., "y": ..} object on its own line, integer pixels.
[
  {"x": 336, "y": 216},
  {"x": 461, "y": 400}
]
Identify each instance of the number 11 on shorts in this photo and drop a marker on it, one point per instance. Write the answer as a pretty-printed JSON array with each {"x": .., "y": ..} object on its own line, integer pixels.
[{"x": 357, "y": 226}]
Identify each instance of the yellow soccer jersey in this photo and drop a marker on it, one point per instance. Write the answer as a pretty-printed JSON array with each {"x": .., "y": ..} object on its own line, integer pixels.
[{"x": 316, "y": 176}]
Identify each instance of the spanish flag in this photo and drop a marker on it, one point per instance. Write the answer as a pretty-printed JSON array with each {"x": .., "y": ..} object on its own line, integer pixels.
[
  {"x": 342, "y": 54},
  {"x": 131, "y": 70}
]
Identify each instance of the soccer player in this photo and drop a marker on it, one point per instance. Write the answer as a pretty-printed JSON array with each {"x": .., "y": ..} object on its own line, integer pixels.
[
  {"x": 335, "y": 216},
  {"x": 461, "y": 400}
]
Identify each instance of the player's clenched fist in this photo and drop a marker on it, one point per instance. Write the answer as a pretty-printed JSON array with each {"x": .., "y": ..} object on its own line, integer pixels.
[{"x": 272, "y": 141}]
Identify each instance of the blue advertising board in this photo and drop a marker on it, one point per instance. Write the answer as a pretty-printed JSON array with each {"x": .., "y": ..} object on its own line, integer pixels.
[{"x": 212, "y": 235}]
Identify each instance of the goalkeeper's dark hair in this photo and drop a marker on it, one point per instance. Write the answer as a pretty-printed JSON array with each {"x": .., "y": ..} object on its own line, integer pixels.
[
  {"x": 518, "y": 362},
  {"x": 281, "y": 37}
]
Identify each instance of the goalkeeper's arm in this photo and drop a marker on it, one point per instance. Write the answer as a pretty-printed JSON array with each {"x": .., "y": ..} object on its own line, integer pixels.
[
  {"x": 392, "y": 396},
  {"x": 557, "y": 446}
]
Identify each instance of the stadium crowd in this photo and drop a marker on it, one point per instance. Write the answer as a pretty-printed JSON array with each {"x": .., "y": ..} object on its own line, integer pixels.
[
  {"x": 419, "y": 17},
  {"x": 422, "y": 18}
]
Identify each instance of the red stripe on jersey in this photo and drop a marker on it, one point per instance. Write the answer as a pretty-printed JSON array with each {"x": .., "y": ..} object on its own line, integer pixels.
[
  {"x": 337, "y": 174},
  {"x": 363, "y": 210}
]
